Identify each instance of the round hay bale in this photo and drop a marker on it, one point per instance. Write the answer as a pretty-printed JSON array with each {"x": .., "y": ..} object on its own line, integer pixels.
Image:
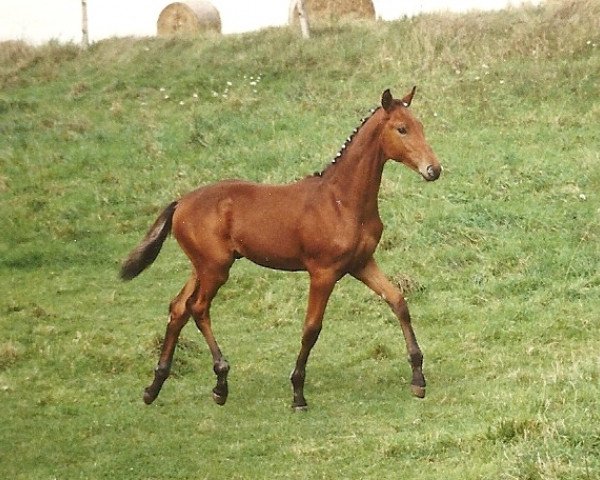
[
  {"x": 188, "y": 18},
  {"x": 331, "y": 10}
]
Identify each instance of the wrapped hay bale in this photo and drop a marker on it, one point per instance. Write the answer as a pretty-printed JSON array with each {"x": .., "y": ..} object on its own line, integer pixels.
[
  {"x": 330, "y": 10},
  {"x": 188, "y": 18}
]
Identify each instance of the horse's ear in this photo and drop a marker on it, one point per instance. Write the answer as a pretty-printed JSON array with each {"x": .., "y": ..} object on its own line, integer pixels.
[
  {"x": 408, "y": 99},
  {"x": 387, "y": 100}
]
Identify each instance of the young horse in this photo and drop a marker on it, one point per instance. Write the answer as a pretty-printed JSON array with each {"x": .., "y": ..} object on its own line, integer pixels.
[{"x": 327, "y": 225}]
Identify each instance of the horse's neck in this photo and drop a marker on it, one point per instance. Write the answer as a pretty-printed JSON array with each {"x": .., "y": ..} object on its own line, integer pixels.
[{"x": 356, "y": 174}]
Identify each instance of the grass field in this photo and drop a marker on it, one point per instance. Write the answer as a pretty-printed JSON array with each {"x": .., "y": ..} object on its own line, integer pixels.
[{"x": 499, "y": 258}]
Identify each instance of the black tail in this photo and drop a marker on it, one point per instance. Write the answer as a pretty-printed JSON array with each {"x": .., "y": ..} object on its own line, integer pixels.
[{"x": 146, "y": 252}]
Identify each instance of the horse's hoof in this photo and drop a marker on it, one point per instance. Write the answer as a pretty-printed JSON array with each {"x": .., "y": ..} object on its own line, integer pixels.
[
  {"x": 219, "y": 399},
  {"x": 418, "y": 391},
  {"x": 148, "y": 397},
  {"x": 300, "y": 408}
]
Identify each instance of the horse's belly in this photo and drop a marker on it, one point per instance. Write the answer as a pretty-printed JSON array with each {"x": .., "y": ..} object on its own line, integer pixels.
[{"x": 276, "y": 248}]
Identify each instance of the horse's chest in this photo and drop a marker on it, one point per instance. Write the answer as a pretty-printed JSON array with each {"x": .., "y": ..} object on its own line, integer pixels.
[
  {"x": 358, "y": 242},
  {"x": 368, "y": 238}
]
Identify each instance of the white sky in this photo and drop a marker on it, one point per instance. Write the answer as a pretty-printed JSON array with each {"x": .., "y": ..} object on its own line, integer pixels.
[{"x": 38, "y": 21}]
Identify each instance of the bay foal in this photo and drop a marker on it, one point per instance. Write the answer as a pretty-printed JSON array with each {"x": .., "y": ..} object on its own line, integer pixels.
[{"x": 327, "y": 225}]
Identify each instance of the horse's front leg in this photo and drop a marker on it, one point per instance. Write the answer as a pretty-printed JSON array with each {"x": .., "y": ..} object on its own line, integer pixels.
[
  {"x": 321, "y": 287},
  {"x": 374, "y": 278}
]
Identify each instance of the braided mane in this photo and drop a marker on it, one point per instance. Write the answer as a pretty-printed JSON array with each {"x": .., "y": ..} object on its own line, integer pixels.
[{"x": 340, "y": 153}]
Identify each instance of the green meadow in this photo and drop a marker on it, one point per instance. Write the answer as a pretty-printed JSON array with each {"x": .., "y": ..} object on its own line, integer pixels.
[{"x": 499, "y": 259}]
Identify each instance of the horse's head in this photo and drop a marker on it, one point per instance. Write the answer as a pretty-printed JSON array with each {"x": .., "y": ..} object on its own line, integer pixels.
[{"x": 402, "y": 137}]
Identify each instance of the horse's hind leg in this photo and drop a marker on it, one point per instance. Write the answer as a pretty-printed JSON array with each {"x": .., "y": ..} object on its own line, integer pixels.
[
  {"x": 199, "y": 307},
  {"x": 178, "y": 317}
]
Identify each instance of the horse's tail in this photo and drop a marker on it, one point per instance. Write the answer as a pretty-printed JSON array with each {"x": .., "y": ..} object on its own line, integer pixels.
[{"x": 146, "y": 252}]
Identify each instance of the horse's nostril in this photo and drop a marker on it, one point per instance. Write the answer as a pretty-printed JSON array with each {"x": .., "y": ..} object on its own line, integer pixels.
[{"x": 430, "y": 171}]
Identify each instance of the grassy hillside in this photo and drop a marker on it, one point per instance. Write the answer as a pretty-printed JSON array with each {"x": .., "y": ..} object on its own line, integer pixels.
[{"x": 499, "y": 258}]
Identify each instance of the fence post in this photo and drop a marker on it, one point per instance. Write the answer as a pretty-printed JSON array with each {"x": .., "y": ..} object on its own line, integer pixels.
[
  {"x": 299, "y": 6},
  {"x": 85, "y": 39}
]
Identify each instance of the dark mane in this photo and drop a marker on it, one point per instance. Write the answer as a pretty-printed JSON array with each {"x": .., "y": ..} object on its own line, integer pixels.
[{"x": 340, "y": 153}]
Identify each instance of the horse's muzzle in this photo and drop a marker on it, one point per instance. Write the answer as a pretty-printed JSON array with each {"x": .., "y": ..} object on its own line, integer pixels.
[{"x": 432, "y": 172}]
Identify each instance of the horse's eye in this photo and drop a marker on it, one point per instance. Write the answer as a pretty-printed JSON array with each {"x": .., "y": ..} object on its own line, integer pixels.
[{"x": 402, "y": 130}]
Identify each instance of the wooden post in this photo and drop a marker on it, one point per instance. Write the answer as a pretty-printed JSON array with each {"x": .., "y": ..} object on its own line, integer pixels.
[
  {"x": 85, "y": 39},
  {"x": 298, "y": 5}
]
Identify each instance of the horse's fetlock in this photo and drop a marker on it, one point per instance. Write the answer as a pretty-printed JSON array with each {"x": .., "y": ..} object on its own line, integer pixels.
[
  {"x": 297, "y": 377},
  {"x": 162, "y": 371},
  {"x": 416, "y": 359},
  {"x": 221, "y": 368}
]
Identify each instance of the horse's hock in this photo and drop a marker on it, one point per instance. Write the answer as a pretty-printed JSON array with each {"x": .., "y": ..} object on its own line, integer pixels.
[
  {"x": 331, "y": 10},
  {"x": 188, "y": 18}
]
